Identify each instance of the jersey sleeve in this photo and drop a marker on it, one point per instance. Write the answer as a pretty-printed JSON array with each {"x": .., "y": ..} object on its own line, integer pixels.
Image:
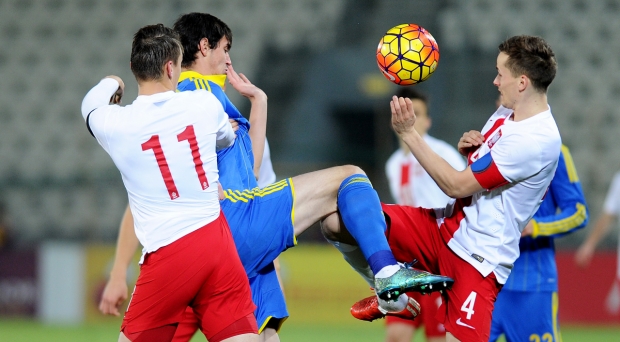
[
  {"x": 565, "y": 190},
  {"x": 512, "y": 159},
  {"x": 98, "y": 96},
  {"x": 612, "y": 200},
  {"x": 96, "y": 108}
]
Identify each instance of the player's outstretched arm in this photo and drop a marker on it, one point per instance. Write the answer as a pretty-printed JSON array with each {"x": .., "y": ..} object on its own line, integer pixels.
[
  {"x": 258, "y": 113},
  {"x": 456, "y": 184},
  {"x": 108, "y": 91},
  {"x": 115, "y": 292},
  {"x": 586, "y": 250}
]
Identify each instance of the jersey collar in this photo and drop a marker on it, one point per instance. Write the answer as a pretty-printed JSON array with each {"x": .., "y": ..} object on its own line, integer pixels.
[{"x": 220, "y": 80}]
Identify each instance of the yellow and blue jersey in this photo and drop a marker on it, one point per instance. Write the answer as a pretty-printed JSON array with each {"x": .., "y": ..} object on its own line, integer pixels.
[
  {"x": 235, "y": 163},
  {"x": 562, "y": 211},
  {"x": 260, "y": 220}
]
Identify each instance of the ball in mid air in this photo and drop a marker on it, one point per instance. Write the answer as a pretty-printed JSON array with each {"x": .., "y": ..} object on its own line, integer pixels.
[{"x": 407, "y": 54}]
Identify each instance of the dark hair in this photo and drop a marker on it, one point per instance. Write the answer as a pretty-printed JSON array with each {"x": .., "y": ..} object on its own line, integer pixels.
[
  {"x": 153, "y": 46},
  {"x": 193, "y": 27},
  {"x": 532, "y": 57},
  {"x": 412, "y": 94}
]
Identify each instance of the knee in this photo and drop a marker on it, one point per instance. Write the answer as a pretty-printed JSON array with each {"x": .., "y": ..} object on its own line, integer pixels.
[
  {"x": 333, "y": 229},
  {"x": 350, "y": 170},
  {"x": 330, "y": 226}
]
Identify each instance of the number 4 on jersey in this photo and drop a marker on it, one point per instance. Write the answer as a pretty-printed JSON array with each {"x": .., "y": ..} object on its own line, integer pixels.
[
  {"x": 189, "y": 135},
  {"x": 468, "y": 305}
]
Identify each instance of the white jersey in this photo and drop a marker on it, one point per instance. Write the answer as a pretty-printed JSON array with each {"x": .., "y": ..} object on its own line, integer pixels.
[
  {"x": 411, "y": 185},
  {"x": 612, "y": 207},
  {"x": 515, "y": 164},
  {"x": 164, "y": 145}
]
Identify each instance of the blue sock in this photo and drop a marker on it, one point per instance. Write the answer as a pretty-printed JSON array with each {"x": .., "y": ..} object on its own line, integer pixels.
[{"x": 360, "y": 210}]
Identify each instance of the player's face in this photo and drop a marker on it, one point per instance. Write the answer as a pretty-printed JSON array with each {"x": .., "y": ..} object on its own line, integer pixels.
[
  {"x": 422, "y": 121},
  {"x": 218, "y": 58},
  {"x": 507, "y": 84}
]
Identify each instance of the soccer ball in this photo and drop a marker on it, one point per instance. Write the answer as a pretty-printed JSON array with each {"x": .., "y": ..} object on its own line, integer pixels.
[{"x": 407, "y": 54}]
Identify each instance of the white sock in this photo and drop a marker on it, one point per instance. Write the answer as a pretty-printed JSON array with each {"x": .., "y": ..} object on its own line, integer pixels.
[
  {"x": 387, "y": 271},
  {"x": 393, "y": 306},
  {"x": 354, "y": 256}
]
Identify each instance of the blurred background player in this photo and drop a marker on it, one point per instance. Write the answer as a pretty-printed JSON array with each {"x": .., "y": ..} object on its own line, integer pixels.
[
  {"x": 527, "y": 307},
  {"x": 411, "y": 185},
  {"x": 165, "y": 190},
  {"x": 609, "y": 216}
]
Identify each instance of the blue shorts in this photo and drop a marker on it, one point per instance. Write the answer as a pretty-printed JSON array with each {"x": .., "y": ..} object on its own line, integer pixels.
[
  {"x": 261, "y": 222},
  {"x": 526, "y": 316},
  {"x": 268, "y": 298}
]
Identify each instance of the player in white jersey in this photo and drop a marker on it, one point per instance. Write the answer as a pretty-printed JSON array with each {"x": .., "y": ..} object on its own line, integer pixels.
[
  {"x": 164, "y": 145},
  {"x": 611, "y": 212},
  {"x": 411, "y": 185},
  {"x": 475, "y": 240}
]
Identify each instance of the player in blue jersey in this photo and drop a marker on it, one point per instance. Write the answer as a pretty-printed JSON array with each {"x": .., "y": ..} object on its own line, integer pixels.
[
  {"x": 527, "y": 307},
  {"x": 266, "y": 221}
]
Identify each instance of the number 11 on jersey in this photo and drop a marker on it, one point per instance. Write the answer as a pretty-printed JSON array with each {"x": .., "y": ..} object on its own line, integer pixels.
[{"x": 189, "y": 135}]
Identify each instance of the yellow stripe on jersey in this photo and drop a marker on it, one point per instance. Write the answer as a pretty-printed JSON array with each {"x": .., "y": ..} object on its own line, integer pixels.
[
  {"x": 561, "y": 226},
  {"x": 206, "y": 84},
  {"x": 554, "y": 317},
  {"x": 293, "y": 210},
  {"x": 231, "y": 196},
  {"x": 220, "y": 80},
  {"x": 246, "y": 195},
  {"x": 196, "y": 83},
  {"x": 570, "y": 165}
]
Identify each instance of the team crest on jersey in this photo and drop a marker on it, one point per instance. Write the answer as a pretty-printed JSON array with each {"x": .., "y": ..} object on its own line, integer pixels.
[{"x": 494, "y": 139}]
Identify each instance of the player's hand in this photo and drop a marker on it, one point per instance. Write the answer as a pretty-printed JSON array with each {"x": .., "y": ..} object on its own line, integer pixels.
[
  {"x": 114, "y": 294},
  {"x": 244, "y": 86},
  {"x": 403, "y": 116},
  {"x": 584, "y": 254},
  {"x": 118, "y": 95},
  {"x": 470, "y": 140},
  {"x": 235, "y": 124},
  {"x": 220, "y": 192},
  {"x": 528, "y": 230}
]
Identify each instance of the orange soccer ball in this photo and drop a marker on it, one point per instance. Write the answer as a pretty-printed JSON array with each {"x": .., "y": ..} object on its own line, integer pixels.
[{"x": 407, "y": 54}]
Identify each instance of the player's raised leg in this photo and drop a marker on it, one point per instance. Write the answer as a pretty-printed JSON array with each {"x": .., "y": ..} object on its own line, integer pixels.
[{"x": 348, "y": 191}]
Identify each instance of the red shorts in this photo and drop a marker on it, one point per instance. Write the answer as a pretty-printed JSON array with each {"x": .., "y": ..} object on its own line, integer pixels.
[
  {"x": 201, "y": 270},
  {"x": 187, "y": 327},
  {"x": 429, "y": 304},
  {"x": 413, "y": 233}
]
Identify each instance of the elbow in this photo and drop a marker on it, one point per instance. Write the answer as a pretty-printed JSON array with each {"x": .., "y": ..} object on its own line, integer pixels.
[
  {"x": 457, "y": 193},
  {"x": 456, "y": 189},
  {"x": 584, "y": 215}
]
